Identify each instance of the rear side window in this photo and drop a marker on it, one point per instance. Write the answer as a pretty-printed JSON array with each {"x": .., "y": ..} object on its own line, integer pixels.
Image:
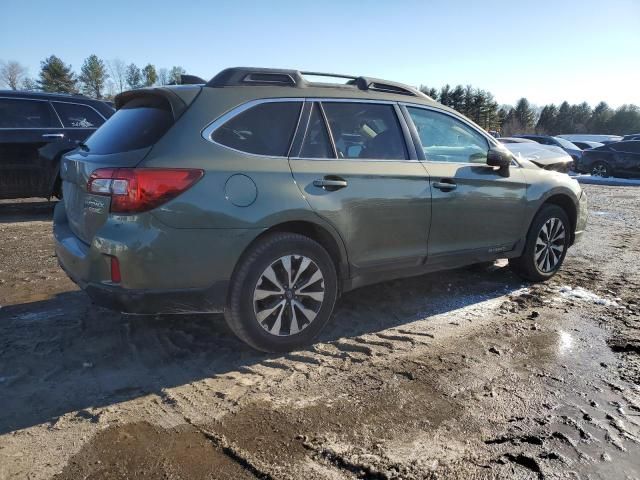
[
  {"x": 266, "y": 129},
  {"x": 140, "y": 123},
  {"x": 316, "y": 140},
  {"x": 632, "y": 147},
  {"x": 17, "y": 113},
  {"x": 77, "y": 116},
  {"x": 365, "y": 130}
]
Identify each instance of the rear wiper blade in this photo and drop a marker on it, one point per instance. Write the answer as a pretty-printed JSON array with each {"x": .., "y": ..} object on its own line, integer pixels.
[{"x": 82, "y": 145}]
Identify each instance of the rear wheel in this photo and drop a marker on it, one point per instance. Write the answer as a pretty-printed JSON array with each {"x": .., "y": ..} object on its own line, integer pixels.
[
  {"x": 282, "y": 293},
  {"x": 546, "y": 245},
  {"x": 601, "y": 169}
]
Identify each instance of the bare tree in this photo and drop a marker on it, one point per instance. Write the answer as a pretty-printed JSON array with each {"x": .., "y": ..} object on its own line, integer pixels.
[
  {"x": 163, "y": 76},
  {"x": 29, "y": 84},
  {"x": 12, "y": 74},
  {"x": 118, "y": 73}
]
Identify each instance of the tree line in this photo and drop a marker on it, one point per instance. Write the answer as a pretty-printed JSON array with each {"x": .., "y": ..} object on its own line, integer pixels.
[
  {"x": 481, "y": 107},
  {"x": 104, "y": 79},
  {"x": 97, "y": 78}
]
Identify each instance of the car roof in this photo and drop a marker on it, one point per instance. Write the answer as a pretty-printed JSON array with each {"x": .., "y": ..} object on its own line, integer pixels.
[{"x": 49, "y": 96}]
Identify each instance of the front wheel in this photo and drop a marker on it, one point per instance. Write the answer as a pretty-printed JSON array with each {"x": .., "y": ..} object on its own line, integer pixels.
[
  {"x": 546, "y": 245},
  {"x": 282, "y": 293}
]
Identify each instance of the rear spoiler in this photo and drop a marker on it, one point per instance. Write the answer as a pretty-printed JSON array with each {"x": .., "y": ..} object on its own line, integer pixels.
[{"x": 178, "y": 106}]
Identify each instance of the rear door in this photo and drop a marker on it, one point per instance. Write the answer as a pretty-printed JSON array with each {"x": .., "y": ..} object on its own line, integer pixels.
[
  {"x": 26, "y": 127},
  {"x": 79, "y": 120},
  {"x": 123, "y": 141},
  {"x": 476, "y": 210},
  {"x": 355, "y": 169},
  {"x": 627, "y": 158}
]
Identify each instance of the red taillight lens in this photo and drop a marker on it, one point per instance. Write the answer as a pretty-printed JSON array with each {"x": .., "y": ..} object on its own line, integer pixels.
[{"x": 134, "y": 190}]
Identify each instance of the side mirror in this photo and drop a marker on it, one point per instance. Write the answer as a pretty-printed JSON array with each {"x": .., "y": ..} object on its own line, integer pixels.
[{"x": 499, "y": 157}]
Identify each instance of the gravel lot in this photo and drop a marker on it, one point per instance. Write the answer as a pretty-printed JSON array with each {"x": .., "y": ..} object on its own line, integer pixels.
[{"x": 464, "y": 374}]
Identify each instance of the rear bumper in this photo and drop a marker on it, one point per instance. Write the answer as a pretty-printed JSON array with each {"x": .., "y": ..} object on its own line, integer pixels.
[
  {"x": 145, "y": 302},
  {"x": 178, "y": 272}
]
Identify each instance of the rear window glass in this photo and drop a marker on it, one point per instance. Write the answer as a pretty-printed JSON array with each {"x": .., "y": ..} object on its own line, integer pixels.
[
  {"x": 77, "y": 116},
  {"x": 266, "y": 129},
  {"x": 16, "y": 113},
  {"x": 140, "y": 123}
]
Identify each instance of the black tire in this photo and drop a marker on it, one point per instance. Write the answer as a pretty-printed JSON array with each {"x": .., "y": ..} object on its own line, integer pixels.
[
  {"x": 526, "y": 265},
  {"x": 240, "y": 312},
  {"x": 601, "y": 169}
]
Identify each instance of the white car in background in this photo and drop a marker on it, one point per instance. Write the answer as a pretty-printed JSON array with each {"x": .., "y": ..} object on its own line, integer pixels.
[{"x": 586, "y": 137}]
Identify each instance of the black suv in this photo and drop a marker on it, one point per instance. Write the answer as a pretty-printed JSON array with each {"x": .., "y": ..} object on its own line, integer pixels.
[{"x": 35, "y": 130}]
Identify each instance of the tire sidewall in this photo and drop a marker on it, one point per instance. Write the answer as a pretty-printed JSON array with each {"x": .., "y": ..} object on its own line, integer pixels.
[
  {"x": 241, "y": 304},
  {"x": 547, "y": 212},
  {"x": 605, "y": 165}
]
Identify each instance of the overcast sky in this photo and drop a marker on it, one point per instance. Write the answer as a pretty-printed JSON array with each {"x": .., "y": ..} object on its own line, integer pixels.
[{"x": 548, "y": 51}]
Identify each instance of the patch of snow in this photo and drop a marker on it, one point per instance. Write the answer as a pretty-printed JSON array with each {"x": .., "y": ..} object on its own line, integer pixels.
[
  {"x": 585, "y": 295},
  {"x": 611, "y": 181}
]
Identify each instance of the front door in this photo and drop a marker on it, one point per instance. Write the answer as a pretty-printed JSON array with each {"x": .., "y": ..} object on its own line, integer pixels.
[
  {"x": 477, "y": 210},
  {"x": 26, "y": 127},
  {"x": 359, "y": 176}
]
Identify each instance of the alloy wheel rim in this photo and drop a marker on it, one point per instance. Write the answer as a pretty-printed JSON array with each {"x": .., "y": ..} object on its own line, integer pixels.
[
  {"x": 550, "y": 245},
  {"x": 599, "y": 170},
  {"x": 288, "y": 295}
]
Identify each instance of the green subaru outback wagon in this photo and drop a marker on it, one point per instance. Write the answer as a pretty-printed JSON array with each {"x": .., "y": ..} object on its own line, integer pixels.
[{"x": 265, "y": 195}]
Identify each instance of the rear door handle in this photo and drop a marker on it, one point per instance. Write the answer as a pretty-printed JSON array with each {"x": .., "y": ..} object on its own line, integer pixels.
[
  {"x": 53, "y": 135},
  {"x": 445, "y": 185},
  {"x": 330, "y": 183}
]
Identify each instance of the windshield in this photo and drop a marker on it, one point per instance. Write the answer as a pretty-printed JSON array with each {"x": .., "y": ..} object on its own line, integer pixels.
[
  {"x": 566, "y": 143},
  {"x": 138, "y": 124}
]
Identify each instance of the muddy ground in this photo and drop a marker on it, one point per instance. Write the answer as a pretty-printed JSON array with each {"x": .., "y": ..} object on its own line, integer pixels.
[{"x": 464, "y": 374}]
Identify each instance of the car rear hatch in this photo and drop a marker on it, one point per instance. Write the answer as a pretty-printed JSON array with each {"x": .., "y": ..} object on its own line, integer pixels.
[{"x": 141, "y": 119}]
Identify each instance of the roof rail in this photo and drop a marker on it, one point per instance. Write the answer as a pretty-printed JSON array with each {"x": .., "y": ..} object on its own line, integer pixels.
[{"x": 245, "y": 76}]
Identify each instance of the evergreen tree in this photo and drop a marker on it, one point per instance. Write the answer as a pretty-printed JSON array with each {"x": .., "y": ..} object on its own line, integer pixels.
[
  {"x": 547, "y": 121},
  {"x": 457, "y": 98},
  {"x": 625, "y": 120},
  {"x": 55, "y": 76},
  {"x": 431, "y": 92},
  {"x": 149, "y": 75},
  {"x": 525, "y": 115},
  {"x": 580, "y": 115},
  {"x": 564, "y": 120},
  {"x": 599, "y": 120},
  {"x": 133, "y": 76},
  {"x": 93, "y": 75},
  {"x": 444, "y": 97}
]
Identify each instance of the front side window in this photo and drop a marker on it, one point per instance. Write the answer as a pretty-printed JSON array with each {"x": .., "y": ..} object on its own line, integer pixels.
[
  {"x": 445, "y": 139},
  {"x": 77, "y": 116},
  {"x": 17, "y": 113},
  {"x": 266, "y": 129},
  {"x": 316, "y": 141},
  {"x": 365, "y": 130}
]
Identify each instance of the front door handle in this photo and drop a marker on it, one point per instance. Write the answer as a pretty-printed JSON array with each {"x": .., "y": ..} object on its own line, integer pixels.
[
  {"x": 330, "y": 183},
  {"x": 53, "y": 135},
  {"x": 446, "y": 185}
]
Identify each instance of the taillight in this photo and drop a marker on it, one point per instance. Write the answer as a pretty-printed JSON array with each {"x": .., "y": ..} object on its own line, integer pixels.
[{"x": 134, "y": 190}]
